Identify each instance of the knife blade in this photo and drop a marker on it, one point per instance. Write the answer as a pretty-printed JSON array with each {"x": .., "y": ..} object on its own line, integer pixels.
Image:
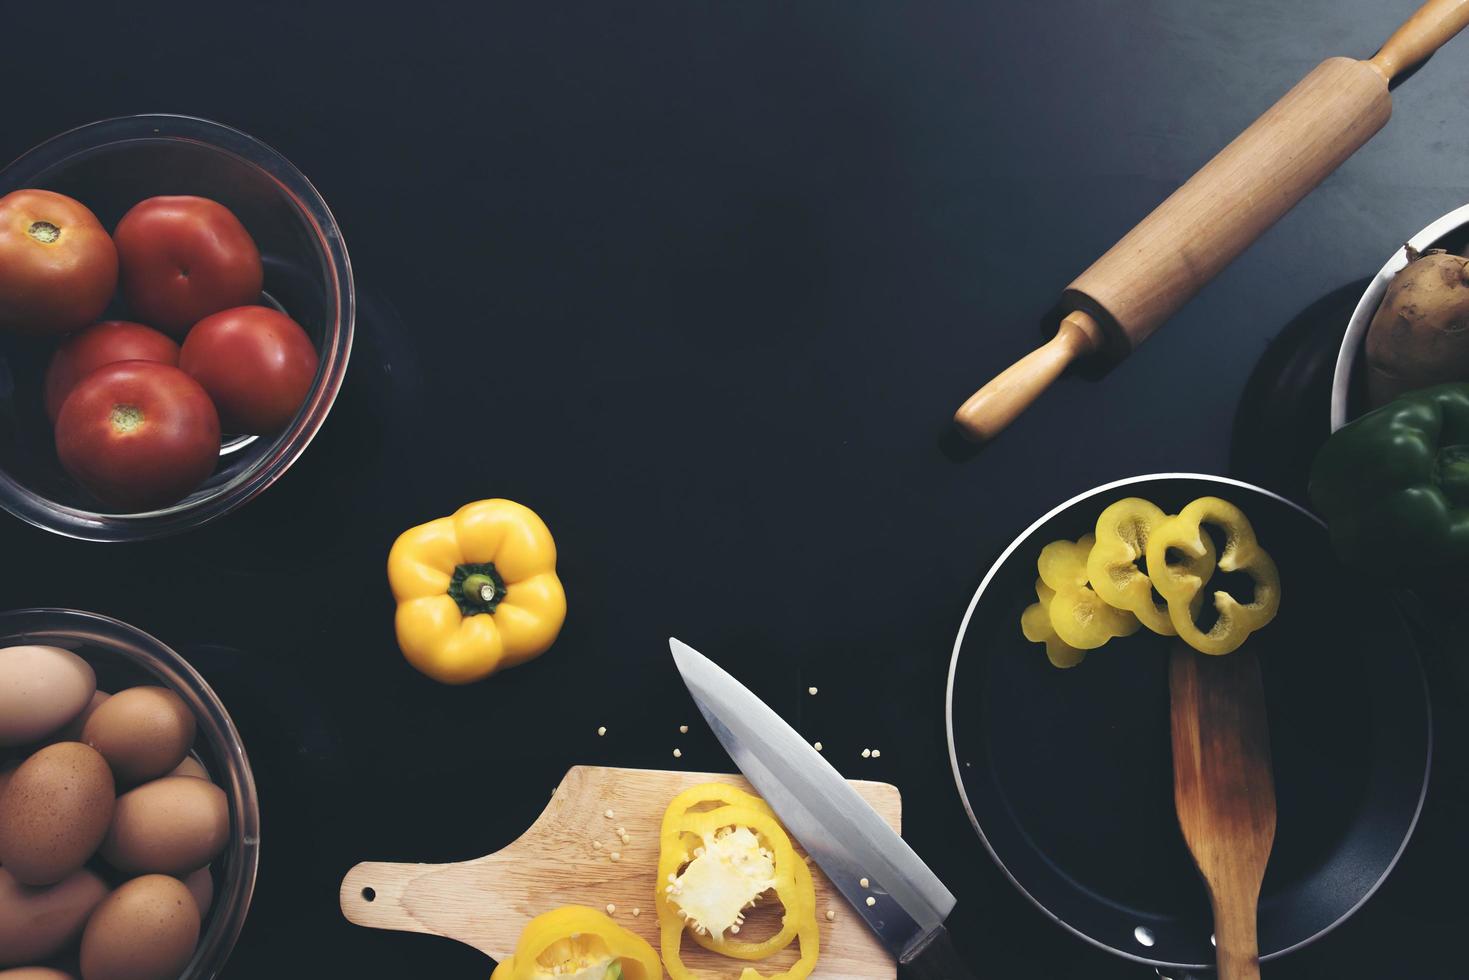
[{"x": 843, "y": 835}]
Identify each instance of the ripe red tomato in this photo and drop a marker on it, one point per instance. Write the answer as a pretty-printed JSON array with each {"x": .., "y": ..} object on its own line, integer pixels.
[
  {"x": 184, "y": 258},
  {"x": 138, "y": 435},
  {"x": 101, "y": 344},
  {"x": 256, "y": 363},
  {"x": 58, "y": 268}
]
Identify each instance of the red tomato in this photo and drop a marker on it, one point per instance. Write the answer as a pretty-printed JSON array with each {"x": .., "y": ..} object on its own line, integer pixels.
[
  {"x": 58, "y": 268},
  {"x": 138, "y": 435},
  {"x": 256, "y": 363},
  {"x": 101, "y": 344},
  {"x": 184, "y": 258}
]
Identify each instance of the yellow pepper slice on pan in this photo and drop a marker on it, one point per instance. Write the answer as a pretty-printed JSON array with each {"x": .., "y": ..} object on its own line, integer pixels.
[
  {"x": 1123, "y": 530},
  {"x": 714, "y": 863},
  {"x": 1181, "y": 584},
  {"x": 1078, "y": 615},
  {"x": 578, "y": 943},
  {"x": 476, "y": 591},
  {"x": 1035, "y": 623}
]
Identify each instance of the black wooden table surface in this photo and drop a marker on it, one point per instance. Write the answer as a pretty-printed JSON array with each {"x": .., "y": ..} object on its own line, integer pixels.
[{"x": 702, "y": 284}]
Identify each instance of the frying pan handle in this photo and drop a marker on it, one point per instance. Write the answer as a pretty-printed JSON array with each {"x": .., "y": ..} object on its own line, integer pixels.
[{"x": 936, "y": 960}]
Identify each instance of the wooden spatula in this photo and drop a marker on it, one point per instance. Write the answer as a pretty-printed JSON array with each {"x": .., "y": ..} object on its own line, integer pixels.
[{"x": 1224, "y": 791}]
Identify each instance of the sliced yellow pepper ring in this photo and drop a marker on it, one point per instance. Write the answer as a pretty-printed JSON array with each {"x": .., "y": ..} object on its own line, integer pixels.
[
  {"x": 1078, "y": 615},
  {"x": 1123, "y": 530},
  {"x": 578, "y": 941},
  {"x": 1182, "y": 585},
  {"x": 684, "y": 829},
  {"x": 1035, "y": 623}
]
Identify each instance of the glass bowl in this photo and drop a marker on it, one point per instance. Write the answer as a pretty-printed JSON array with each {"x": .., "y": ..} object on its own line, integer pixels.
[
  {"x": 109, "y": 166},
  {"x": 124, "y": 657}
]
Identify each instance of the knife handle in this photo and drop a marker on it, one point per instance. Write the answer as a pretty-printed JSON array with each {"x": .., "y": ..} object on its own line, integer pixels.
[{"x": 936, "y": 960}]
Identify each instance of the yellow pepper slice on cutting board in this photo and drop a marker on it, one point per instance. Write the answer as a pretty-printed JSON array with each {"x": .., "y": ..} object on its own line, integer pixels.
[
  {"x": 476, "y": 591},
  {"x": 714, "y": 863},
  {"x": 1182, "y": 586},
  {"x": 1123, "y": 530},
  {"x": 578, "y": 943}
]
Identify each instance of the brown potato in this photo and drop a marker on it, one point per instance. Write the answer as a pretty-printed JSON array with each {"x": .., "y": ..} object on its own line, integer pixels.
[{"x": 1420, "y": 334}]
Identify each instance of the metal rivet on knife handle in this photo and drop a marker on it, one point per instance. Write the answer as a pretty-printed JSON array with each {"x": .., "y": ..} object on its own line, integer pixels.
[{"x": 1159, "y": 265}]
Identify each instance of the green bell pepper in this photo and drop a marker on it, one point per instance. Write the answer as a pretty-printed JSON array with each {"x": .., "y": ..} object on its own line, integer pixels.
[{"x": 1394, "y": 485}]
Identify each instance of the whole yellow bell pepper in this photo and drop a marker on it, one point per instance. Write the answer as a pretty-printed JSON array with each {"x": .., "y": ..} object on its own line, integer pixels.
[
  {"x": 575, "y": 941},
  {"x": 476, "y": 591},
  {"x": 1182, "y": 585}
]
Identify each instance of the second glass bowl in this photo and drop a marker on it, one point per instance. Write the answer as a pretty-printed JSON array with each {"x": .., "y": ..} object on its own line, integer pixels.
[
  {"x": 125, "y": 657},
  {"x": 109, "y": 166}
]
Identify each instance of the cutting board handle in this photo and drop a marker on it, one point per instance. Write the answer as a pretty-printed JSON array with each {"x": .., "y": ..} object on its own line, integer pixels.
[{"x": 1430, "y": 27}]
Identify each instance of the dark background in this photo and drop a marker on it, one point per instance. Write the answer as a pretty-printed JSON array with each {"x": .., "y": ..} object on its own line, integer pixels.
[{"x": 702, "y": 284}]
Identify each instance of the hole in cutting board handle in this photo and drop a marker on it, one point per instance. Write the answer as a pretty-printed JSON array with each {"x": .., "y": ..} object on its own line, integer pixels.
[{"x": 369, "y": 894}]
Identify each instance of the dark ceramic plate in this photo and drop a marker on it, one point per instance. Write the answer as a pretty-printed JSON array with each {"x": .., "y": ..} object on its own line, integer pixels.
[{"x": 1067, "y": 775}]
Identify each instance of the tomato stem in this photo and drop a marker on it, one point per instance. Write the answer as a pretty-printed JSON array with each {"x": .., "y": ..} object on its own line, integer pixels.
[{"x": 44, "y": 232}]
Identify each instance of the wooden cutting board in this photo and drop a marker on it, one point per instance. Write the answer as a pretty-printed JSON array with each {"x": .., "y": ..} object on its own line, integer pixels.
[{"x": 486, "y": 902}]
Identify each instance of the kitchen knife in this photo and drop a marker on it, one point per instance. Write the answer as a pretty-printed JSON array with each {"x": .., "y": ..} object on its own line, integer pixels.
[{"x": 837, "y": 828}]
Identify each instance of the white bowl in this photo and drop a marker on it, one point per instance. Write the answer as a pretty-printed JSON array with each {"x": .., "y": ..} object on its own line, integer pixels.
[{"x": 1345, "y": 392}]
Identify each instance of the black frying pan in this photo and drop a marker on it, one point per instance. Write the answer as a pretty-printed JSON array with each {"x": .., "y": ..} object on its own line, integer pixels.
[{"x": 1066, "y": 774}]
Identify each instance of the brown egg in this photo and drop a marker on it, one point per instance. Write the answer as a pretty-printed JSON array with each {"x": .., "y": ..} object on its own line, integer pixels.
[
  {"x": 72, "y": 732},
  {"x": 34, "y": 973},
  {"x": 142, "y": 732},
  {"x": 145, "y": 930},
  {"x": 37, "y": 922},
  {"x": 7, "y": 769},
  {"x": 201, "y": 885},
  {"x": 190, "y": 767},
  {"x": 170, "y": 826},
  {"x": 56, "y": 809},
  {"x": 41, "y": 689}
]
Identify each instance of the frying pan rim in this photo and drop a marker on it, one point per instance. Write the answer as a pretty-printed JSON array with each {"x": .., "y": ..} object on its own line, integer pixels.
[{"x": 959, "y": 776}]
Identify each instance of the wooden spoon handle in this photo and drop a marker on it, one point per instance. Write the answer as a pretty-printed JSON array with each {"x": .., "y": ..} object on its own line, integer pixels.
[
  {"x": 1238, "y": 953},
  {"x": 1000, "y": 402},
  {"x": 1430, "y": 27}
]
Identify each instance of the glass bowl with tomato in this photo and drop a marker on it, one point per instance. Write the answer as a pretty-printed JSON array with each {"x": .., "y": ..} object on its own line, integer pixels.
[
  {"x": 176, "y": 317},
  {"x": 122, "y": 657}
]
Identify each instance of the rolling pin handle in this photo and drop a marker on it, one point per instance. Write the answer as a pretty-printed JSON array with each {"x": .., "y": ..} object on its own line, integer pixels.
[
  {"x": 1430, "y": 27},
  {"x": 1000, "y": 402}
]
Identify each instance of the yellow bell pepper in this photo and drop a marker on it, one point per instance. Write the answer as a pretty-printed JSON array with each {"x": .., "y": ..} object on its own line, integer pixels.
[
  {"x": 578, "y": 943},
  {"x": 1035, "y": 623},
  {"x": 714, "y": 863},
  {"x": 1078, "y": 615},
  {"x": 476, "y": 591},
  {"x": 1123, "y": 530},
  {"x": 1182, "y": 585}
]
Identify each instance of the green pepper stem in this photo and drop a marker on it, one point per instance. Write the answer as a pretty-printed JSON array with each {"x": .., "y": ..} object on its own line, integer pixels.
[{"x": 477, "y": 588}]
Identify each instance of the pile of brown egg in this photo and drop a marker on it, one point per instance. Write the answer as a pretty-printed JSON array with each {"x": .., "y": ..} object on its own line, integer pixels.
[{"x": 108, "y": 825}]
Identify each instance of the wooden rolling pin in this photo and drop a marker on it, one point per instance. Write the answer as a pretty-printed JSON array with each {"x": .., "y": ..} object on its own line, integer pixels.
[{"x": 1144, "y": 279}]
